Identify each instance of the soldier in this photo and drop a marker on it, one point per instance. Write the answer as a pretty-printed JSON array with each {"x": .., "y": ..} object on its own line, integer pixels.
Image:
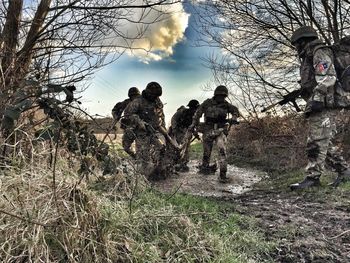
[
  {"x": 215, "y": 129},
  {"x": 146, "y": 116},
  {"x": 318, "y": 83},
  {"x": 180, "y": 122},
  {"x": 117, "y": 111}
]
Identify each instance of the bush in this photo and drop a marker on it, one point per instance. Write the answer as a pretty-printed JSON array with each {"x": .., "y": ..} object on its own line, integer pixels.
[{"x": 279, "y": 142}]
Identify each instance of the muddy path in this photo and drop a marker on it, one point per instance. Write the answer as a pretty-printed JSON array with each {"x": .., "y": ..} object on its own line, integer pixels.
[
  {"x": 309, "y": 226},
  {"x": 240, "y": 181},
  {"x": 308, "y": 229}
]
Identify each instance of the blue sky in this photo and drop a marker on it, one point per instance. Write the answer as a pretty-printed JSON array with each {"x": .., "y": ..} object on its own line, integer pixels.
[{"x": 181, "y": 75}]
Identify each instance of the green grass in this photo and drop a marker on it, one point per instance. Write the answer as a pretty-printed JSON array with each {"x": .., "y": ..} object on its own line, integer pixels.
[
  {"x": 196, "y": 151},
  {"x": 184, "y": 228}
]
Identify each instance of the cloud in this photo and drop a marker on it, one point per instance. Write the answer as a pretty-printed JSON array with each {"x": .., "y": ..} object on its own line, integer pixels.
[{"x": 160, "y": 37}]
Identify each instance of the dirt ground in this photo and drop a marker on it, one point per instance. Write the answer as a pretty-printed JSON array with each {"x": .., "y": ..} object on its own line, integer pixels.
[
  {"x": 309, "y": 226},
  {"x": 208, "y": 185}
]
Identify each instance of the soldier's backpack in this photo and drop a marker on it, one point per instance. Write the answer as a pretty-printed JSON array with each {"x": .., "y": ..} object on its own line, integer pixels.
[{"x": 341, "y": 51}]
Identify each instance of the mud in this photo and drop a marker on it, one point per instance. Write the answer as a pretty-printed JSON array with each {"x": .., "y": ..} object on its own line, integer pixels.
[
  {"x": 307, "y": 230},
  {"x": 306, "y": 226},
  {"x": 240, "y": 180}
]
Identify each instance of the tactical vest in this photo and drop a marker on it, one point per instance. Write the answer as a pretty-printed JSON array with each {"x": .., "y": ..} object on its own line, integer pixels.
[
  {"x": 152, "y": 112},
  {"x": 307, "y": 72},
  {"x": 338, "y": 97},
  {"x": 216, "y": 113},
  {"x": 341, "y": 51},
  {"x": 185, "y": 119}
]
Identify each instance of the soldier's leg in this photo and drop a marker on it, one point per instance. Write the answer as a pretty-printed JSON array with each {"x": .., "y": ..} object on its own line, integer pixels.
[
  {"x": 161, "y": 161},
  {"x": 143, "y": 156},
  {"x": 318, "y": 142},
  {"x": 185, "y": 159},
  {"x": 221, "y": 142},
  {"x": 127, "y": 140},
  {"x": 207, "y": 148},
  {"x": 335, "y": 159}
]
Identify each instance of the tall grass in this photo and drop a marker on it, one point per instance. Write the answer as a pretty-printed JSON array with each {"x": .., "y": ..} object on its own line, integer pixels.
[{"x": 115, "y": 218}]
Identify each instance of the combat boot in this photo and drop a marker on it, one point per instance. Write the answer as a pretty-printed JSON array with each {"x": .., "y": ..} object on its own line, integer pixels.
[
  {"x": 223, "y": 177},
  {"x": 182, "y": 168},
  {"x": 207, "y": 169},
  {"x": 306, "y": 183},
  {"x": 342, "y": 177}
]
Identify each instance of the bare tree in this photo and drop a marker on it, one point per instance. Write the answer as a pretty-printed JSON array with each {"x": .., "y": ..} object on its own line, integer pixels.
[
  {"x": 257, "y": 58},
  {"x": 64, "y": 41}
]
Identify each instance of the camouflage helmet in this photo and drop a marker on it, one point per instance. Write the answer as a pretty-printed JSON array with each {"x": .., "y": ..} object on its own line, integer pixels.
[
  {"x": 133, "y": 92},
  {"x": 303, "y": 32},
  {"x": 193, "y": 104},
  {"x": 221, "y": 90},
  {"x": 154, "y": 88}
]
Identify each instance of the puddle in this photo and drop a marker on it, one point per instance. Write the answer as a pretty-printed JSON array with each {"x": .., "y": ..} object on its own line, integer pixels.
[{"x": 240, "y": 181}]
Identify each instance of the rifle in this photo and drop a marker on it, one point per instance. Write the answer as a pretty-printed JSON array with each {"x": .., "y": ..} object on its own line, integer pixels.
[
  {"x": 290, "y": 97},
  {"x": 164, "y": 132}
]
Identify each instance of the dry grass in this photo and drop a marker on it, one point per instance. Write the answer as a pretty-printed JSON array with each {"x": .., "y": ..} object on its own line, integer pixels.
[
  {"x": 100, "y": 220},
  {"x": 279, "y": 142},
  {"x": 55, "y": 215},
  {"x": 272, "y": 142}
]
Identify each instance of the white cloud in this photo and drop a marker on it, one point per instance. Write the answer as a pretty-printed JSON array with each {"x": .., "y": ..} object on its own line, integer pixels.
[{"x": 160, "y": 37}]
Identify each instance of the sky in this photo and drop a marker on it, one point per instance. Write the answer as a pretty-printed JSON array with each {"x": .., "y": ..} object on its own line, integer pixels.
[{"x": 178, "y": 68}]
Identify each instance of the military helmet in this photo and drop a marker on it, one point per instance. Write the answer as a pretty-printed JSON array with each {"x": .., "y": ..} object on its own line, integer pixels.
[
  {"x": 193, "y": 104},
  {"x": 154, "y": 88},
  {"x": 303, "y": 32},
  {"x": 221, "y": 90},
  {"x": 133, "y": 92}
]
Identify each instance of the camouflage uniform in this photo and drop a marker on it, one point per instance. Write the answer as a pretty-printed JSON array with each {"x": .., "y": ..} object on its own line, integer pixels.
[
  {"x": 146, "y": 116},
  {"x": 318, "y": 79},
  {"x": 215, "y": 129},
  {"x": 128, "y": 135},
  {"x": 180, "y": 123},
  {"x": 318, "y": 83}
]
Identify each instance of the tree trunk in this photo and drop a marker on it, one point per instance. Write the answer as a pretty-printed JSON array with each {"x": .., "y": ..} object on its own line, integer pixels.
[
  {"x": 9, "y": 41},
  {"x": 25, "y": 55}
]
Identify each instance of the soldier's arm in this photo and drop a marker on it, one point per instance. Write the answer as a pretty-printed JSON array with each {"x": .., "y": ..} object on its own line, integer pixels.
[
  {"x": 233, "y": 110},
  {"x": 162, "y": 116},
  {"x": 325, "y": 74},
  {"x": 198, "y": 114}
]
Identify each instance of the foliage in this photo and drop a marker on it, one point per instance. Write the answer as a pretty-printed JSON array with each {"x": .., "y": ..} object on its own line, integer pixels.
[
  {"x": 257, "y": 59},
  {"x": 116, "y": 219},
  {"x": 61, "y": 124},
  {"x": 279, "y": 142},
  {"x": 274, "y": 142}
]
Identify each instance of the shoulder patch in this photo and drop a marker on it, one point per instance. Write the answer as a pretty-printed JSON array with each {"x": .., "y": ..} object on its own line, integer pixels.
[{"x": 322, "y": 66}]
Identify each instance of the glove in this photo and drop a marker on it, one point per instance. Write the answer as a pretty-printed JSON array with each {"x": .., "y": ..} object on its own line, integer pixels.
[
  {"x": 313, "y": 106},
  {"x": 234, "y": 122}
]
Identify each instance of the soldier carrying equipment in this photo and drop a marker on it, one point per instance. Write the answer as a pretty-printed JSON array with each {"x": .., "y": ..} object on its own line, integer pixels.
[
  {"x": 215, "y": 129},
  {"x": 119, "y": 108},
  {"x": 180, "y": 122},
  {"x": 117, "y": 111},
  {"x": 323, "y": 90},
  {"x": 146, "y": 116}
]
